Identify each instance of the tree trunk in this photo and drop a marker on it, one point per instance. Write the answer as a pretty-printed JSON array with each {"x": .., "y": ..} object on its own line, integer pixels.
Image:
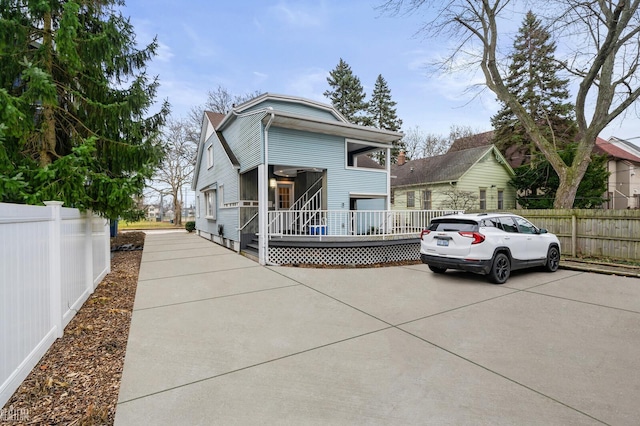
[
  {"x": 570, "y": 178},
  {"x": 48, "y": 145},
  {"x": 177, "y": 209}
]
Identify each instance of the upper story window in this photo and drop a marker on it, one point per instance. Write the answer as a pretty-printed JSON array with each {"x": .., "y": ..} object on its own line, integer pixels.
[
  {"x": 483, "y": 199},
  {"x": 411, "y": 199},
  {"x": 500, "y": 199},
  {"x": 210, "y": 156},
  {"x": 426, "y": 200}
]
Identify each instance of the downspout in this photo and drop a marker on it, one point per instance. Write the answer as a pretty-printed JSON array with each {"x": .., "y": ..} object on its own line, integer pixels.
[
  {"x": 388, "y": 214},
  {"x": 388, "y": 166},
  {"x": 263, "y": 208}
]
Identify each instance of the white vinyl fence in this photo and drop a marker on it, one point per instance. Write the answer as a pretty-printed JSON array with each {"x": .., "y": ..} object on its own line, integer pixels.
[{"x": 51, "y": 260}]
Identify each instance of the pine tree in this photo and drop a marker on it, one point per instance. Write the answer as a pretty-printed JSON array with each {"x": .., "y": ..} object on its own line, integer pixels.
[
  {"x": 382, "y": 113},
  {"x": 533, "y": 79},
  {"x": 537, "y": 183},
  {"x": 74, "y": 98},
  {"x": 346, "y": 94}
]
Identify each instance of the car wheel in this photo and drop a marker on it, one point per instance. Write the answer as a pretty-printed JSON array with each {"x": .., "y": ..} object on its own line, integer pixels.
[
  {"x": 500, "y": 269},
  {"x": 437, "y": 270},
  {"x": 553, "y": 259}
]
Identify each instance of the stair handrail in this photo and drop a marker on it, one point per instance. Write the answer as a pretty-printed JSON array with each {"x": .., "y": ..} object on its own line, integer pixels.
[
  {"x": 304, "y": 197},
  {"x": 249, "y": 221}
]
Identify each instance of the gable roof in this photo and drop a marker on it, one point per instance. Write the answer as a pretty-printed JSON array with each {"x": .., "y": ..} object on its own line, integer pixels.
[
  {"x": 516, "y": 155},
  {"x": 473, "y": 141},
  {"x": 449, "y": 167},
  {"x": 610, "y": 149},
  {"x": 215, "y": 118},
  {"x": 289, "y": 120}
]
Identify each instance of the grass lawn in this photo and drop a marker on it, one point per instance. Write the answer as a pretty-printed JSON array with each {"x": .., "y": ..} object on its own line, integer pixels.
[{"x": 148, "y": 224}]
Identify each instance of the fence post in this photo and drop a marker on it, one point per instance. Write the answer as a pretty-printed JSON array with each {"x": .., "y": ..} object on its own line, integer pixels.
[
  {"x": 574, "y": 235},
  {"x": 55, "y": 265},
  {"x": 88, "y": 250},
  {"x": 107, "y": 244}
]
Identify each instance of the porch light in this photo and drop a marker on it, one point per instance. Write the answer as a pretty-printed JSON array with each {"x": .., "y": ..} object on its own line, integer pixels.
[{"x": 272, "y": 183}]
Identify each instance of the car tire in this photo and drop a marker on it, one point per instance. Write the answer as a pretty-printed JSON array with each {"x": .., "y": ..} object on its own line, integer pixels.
[
  {"x": 553, "y": 259},
  {"x": 437, "y": 270},
  {"x": 500, "y": 269}
]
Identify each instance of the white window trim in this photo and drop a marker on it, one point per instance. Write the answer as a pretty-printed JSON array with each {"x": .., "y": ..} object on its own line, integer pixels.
[
  {"x": 210, "y": 206},
  {"x": 362, "y": 169},
  {"x": 210, "y": 156}
]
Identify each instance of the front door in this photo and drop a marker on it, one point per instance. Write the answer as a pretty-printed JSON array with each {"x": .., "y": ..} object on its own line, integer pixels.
[
  {"x": 284, "y": 200},
  {"x": 284, "y": 195}
]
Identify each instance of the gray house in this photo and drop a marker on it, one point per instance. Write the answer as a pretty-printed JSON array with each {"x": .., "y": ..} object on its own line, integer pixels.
[{"x": 280, "y": 166}]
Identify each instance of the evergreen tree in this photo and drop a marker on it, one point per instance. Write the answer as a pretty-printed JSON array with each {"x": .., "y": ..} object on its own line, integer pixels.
[
  {"x": 537, "y": 183},
  {"x": 346, "y": 94},
  {"x": 382, "y": 112},
  {"x": 74, "y": 98},
  {"x": 533, "y": 79}
]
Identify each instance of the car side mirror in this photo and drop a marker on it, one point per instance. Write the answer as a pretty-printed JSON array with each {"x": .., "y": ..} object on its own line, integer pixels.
[{"x": 542, "y": 231}]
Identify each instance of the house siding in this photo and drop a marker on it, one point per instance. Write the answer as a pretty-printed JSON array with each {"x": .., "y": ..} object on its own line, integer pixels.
[
  {"x": 221, "y": 174},
  {"x": 484, "y": 174},
  {"x": 304, "y": 149},
  {"x": 244, "y": 137},
  {"x": 294, "y": 108}
]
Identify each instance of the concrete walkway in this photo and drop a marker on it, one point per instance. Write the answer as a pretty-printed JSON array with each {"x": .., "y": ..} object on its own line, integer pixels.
[{"x": 218, "y": 339}]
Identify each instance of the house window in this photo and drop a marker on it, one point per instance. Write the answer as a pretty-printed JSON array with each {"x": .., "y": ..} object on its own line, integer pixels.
[
  {"x": 483, "y": 199},
  {"x": 210, "y": 156},
  {"x": 426, "y": 200},
  {"x": 198, "y": 206},
  {"x": 221, "y": 195},
  {"x": 500, "y": 199},
  {"x": 393, "y": 196},
  {"x": 210, "y": 204},
  {"x": 411, "y": 199}
]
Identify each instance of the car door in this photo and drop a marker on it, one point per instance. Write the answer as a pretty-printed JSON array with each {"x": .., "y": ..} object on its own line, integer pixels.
[
  {"x": 537, "y": 244},
  {"x": 516, "y": 241}
]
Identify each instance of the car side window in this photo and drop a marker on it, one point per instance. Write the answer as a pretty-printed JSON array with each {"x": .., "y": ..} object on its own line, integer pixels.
[
  {"x": 508, "y": 225},
  {"x": 525, "y": 226},
  {"x": 493, "y": 222}
]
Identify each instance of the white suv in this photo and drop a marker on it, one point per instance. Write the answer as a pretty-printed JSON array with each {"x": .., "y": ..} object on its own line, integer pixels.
[{"x": 493, "y": 244}]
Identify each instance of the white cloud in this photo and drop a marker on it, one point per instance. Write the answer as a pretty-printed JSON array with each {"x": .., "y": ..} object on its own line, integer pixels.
[
  {"x": 309, "y": 83},
  {"x": 298, "y": 16},
  {"x": 163, "y": 53}
]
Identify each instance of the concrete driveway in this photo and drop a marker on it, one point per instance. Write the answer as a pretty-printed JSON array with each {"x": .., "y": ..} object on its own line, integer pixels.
[{"x": 218, "y": 339}]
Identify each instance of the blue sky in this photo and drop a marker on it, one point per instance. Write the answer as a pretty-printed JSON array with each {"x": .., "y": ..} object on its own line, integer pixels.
[{"x": 288, "y": 47}]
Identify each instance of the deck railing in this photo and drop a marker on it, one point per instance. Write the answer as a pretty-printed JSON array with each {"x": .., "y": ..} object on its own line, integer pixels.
[{"x": 350, "y": 223}]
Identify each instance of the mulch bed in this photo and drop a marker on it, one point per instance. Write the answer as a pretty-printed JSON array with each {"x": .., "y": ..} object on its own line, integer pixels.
[{"x": 78, "y": 379}]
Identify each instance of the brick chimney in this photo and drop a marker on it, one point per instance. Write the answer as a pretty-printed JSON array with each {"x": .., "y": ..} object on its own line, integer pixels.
[{"x": 402, "y": 158}]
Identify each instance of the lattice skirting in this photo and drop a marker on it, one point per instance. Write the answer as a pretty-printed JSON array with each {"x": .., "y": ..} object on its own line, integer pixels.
[{"x": 344, "y": 255}]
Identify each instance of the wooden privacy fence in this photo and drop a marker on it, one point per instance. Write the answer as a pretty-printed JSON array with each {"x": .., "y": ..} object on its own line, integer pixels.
[
  {"x": 599, "y": 233},
  {"x": 51, "y": 260}
]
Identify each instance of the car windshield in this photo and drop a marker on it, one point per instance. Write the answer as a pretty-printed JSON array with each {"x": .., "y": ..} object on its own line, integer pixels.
[{"x": 453, "y": 225}]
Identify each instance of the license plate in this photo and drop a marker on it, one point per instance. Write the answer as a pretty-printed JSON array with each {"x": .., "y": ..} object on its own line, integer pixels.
[{"x": 444, "y": 243}]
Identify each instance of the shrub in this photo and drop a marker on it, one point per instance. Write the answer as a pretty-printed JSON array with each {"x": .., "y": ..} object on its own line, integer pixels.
[{"x": 190, "y": 226}]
